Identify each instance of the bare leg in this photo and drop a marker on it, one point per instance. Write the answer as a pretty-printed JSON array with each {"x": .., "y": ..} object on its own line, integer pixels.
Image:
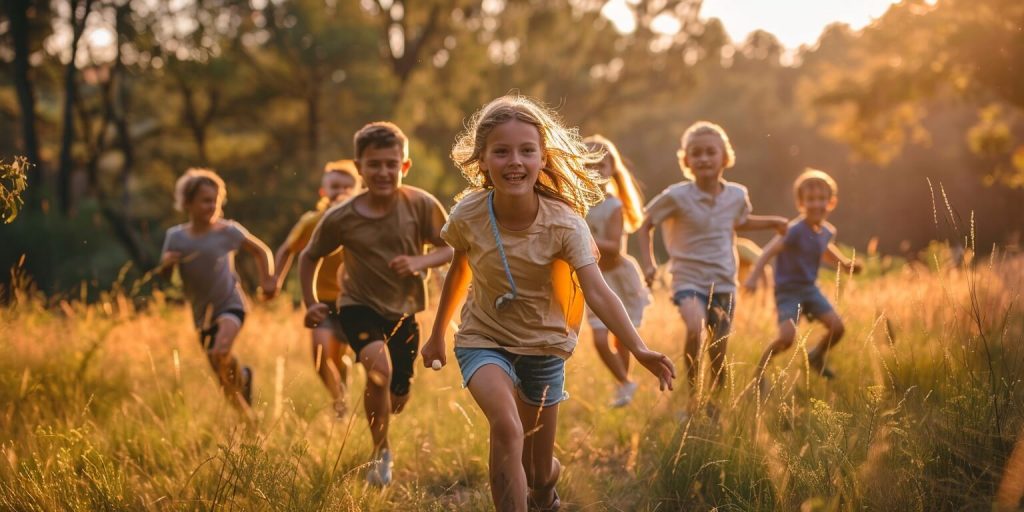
[
  {"x": 694, "y": 315},
  {"x": 496, "y": 395},
  {"x": 539, "y": 425},
  {"x": 328, "y": 364},
  {"x": 377, "y": 401},
  {"x": 719, "y": 345},
  {"x": 835, "y": 332},
  {"x": 623, "y": 353},
  {"x": 613, "y": 361},
  {"x": 787, "y": 333},
  {"x": 224, "y": 364}
]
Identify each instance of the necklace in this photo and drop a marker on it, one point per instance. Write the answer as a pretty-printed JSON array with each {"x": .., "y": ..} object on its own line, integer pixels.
[{"x": 506, "y": 298}]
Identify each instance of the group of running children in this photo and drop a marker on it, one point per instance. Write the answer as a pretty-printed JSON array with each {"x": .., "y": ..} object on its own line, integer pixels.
[{"x": 544, "y": 218}]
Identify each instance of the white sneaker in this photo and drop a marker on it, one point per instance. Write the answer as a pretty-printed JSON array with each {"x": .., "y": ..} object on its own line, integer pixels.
[
  {"x": 624, "y": 395},
  {"x": 379, "y": 473}
]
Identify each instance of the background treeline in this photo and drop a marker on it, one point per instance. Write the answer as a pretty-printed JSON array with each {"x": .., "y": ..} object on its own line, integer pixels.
[{"x": 112, "y": 99}]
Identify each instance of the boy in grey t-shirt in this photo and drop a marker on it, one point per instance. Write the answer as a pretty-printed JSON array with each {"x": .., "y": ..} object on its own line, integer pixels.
[{"x": 203, "y": 249}]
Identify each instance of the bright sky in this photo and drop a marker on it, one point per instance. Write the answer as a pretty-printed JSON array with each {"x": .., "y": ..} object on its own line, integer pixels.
[{"x": 794, "y": 22}]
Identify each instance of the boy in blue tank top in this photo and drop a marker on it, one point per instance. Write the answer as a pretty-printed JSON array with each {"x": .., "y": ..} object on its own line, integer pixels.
[{"x": 806, "y": 245}]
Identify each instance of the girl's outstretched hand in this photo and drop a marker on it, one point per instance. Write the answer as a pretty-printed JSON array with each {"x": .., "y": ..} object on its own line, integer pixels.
[
  {"x": 433, "y": 350},
  {"x": 660, "y": 365}
]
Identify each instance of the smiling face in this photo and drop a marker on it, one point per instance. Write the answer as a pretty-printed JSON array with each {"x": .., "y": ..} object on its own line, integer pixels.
[
  {"x": 337, "y": 186},
  {"x": 204, "y": 206},
  {"x": 513, "y": 158},
  {"x": 816, "y": 201},
  {"x": 705, "y": 157},
  {"x": 382, "y": 169}
]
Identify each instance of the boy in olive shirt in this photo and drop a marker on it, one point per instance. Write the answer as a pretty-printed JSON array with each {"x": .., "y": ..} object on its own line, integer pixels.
[{"x": 383, "y": 231}]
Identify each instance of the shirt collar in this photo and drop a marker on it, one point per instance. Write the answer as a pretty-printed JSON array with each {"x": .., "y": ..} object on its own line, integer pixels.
[{"x": 705, "y": 197}]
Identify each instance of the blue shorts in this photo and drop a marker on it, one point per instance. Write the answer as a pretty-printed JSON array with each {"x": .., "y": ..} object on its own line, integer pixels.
[
  {"x": 540, "y": 380},
  {"x": 719, "y": 306},
  {"x": 792, "y": 303}
]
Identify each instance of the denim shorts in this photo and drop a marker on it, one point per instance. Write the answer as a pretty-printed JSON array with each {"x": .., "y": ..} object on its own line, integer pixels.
[
  {"x": 808, "y": 301},
  {"x": 540, "y": 380},
  {"x": 719, "y": 306}
]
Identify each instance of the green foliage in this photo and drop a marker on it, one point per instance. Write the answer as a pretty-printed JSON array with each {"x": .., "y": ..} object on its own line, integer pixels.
[
  {"x": 266, "y": 92},
  {"x": 13, "y": 182}
]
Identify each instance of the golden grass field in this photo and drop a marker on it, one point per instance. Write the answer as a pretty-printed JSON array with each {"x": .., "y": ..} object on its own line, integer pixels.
[{"x": 109, "y": 407}]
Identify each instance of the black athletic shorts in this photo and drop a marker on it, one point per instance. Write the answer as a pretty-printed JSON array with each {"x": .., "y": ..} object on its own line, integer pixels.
[
  {"x": 333, "y": 322},
  {"x": 209, "y": 335},
  {"x": 362, "y": 326}
]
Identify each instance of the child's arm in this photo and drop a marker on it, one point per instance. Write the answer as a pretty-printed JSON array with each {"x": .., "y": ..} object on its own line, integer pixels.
[
  {"x": 756, "y": 222},
  {"x": 453, "y": 293},
  {"x": 406, "y": 265},
  {"x": 643, "y": 236},
  {"x": 282, "y": 263},
  {"x": 833, "y": 257},
  {"x": 611, "y": 247},
  {"x": 309, "y": 266},
  {"x": 264, "y": 262},
  {"x": 167, "y": 262},
  {"x": 603, "y": 301},
  {"x": 770, "y": 251}
]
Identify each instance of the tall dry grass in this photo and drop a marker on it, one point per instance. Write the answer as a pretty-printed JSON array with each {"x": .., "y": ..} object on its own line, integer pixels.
[{"x": 106, "y": 407}]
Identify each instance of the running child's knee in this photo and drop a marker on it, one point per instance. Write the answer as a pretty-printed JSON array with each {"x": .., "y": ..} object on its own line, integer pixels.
[
  {"x": 837, "y": 330},
  {"x": 507, "y": 429}
]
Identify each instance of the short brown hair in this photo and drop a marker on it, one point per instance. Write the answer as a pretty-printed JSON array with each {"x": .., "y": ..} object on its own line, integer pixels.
[
  {"x": 814, "y": 178},
  {"x": 188, "y": 184},
  {"x": 380, "y": 134}
]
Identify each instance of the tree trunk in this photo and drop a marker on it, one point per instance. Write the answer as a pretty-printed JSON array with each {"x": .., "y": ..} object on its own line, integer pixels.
[
  {"x": 68, "y": 131},
  {"x": 313, "y": 120},
  {"x": 26, "y": 95}
]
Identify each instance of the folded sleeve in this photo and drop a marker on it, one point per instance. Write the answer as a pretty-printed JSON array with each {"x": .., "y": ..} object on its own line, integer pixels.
[
  {"x": 326, "y": 236},
  {"x": 661, "y": 207},
  {"x": 578, "y": 246}
]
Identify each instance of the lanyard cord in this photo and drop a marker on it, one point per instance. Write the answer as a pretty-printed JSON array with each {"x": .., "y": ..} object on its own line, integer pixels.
[{"x": 503, "y": 300}]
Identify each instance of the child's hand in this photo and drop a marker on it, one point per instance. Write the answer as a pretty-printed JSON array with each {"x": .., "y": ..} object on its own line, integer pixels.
[
  {"x": 406, "y": 265},
  {"x": 170, "y": 258},
  {"x": 269, "y": 287},
  {"x": 315, "y": 314},
  {"x": 649, "y": 275},
  {"x": 660, "y": 365},
  {"x": 750, "y": 284},
  {"x": 433, "y": 350},
  {"x": 781, "y": 226}
]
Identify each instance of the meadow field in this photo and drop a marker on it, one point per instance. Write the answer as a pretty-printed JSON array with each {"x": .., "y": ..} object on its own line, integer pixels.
[{"x": 110, "y": 406}]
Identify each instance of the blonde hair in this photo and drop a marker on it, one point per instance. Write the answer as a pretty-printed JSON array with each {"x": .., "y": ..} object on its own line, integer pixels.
[
  {"x": 705, "y": 128},
  {"x": 188, "y": 184},
  {"x": 622, "y": 183},
  {"x": 346, "y": 167},
  {"x": 565, "y": 176},
  {"x": 814, "y": 178}
]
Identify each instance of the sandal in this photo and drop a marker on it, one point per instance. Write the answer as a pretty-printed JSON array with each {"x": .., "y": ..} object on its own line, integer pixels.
[{"x": 556, "y": 502}]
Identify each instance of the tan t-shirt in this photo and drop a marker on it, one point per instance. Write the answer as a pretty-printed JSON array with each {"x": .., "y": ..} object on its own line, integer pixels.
[
  {"x": 327, "y": 279},
  {"x": 699, "y": 234},
  {"x": 370, "y": 244},
  {"x": 545, "y": 318}
]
